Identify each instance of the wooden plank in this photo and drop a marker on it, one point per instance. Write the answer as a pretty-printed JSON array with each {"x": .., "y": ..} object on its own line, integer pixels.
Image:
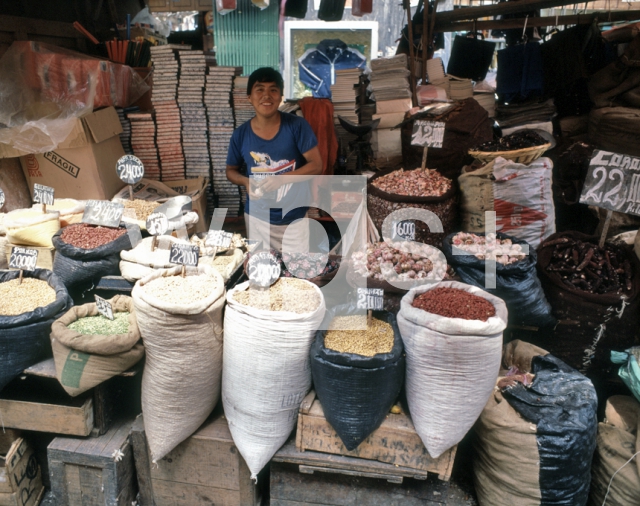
[
  {"x": 504, "y": 24},
  {"x": 484, "y": 11},
  {"x": 20, "y": 475},
  {"x": 394, "y": 442},
  {"x": 7, "y": 437},
  {"x": 389, "y": 477},
  {"x": 170, "y": 493},
  {"x": 37, "y": 26},
  {"x": 48, "y": 417},
  {"x": 47, "y": 369},
  {"x": 91, "y": 485},
  {"x": 142, "y": 462}
]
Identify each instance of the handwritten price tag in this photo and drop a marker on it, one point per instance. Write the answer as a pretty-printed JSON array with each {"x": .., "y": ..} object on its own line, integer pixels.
[
  {"x": 403, "y": 230},
  {"x": 427, "y": 133},
  {"x": 370, "y": 298},
  {"x": 263, "y": 269},
  {"x": 218, "y": 239},
  {"x": 23, "y": 258},
  {"x": 43, "y": 194},
  {"x": 103, "y": 213},
  {"x": 184, "y": 254},
  {"x": 157, "y": 224},
  {"x": 104, "y": 307},
  {"x": 130, "y": 169}
]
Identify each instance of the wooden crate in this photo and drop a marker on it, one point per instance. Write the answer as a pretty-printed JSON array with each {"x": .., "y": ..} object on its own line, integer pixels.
[
  {"x": 95, "y": 471},
  {"x": 394, "y": 442},
  {"x": 205, "y": 469},
  {"x": 38, "y": 402},
  {"x": 304, "y": 478},
  {"x": 20, "y": 474}
]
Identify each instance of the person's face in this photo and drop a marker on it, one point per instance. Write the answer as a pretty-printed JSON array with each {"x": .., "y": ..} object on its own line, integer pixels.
[{"x": 265, "y": 98}]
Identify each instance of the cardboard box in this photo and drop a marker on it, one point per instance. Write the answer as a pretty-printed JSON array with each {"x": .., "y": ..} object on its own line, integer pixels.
[
  {"x": 195, "y": 188},
  {"x": 84, "y": 164}
]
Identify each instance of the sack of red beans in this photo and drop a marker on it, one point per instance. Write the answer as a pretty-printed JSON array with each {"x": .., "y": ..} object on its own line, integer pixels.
[
  {"x": 452, "y": 335},
  {"x": 85, "y": 253}
]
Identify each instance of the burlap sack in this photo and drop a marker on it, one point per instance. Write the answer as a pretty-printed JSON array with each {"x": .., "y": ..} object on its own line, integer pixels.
[
  {"x": 183, "y": 369},
  {"x": 84, "y": 361},
  {"x": 617, "y": 442}
]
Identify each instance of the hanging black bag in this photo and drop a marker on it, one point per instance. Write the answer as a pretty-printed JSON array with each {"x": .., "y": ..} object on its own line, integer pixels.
[
  {"x": 331, "y": 10},
  {"x": 470, "y": 57}
]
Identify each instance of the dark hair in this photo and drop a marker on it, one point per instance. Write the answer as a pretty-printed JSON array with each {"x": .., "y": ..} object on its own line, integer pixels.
[{"x": 265, "y": 75}]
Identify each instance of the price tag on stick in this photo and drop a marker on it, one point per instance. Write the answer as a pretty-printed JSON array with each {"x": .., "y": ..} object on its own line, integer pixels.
[
  {"x": 371, "y": 299},
  {"x": 218, "y": 238},
  {"x": 104, "y": 307},
  {"x": 429, "y": 134},
  {"x": 184, "y": 254},
  {"x": 43, "y": 195},
  {"x": 157, "y": 224},
  {"x": 103, "y": 213},
  {"x": 1, "y": 198},
  {"x": 263, "y": 269},
  {"x": 24, "y": 259},
  {"x": 404, "y": 230},
  {"x": 130, "y": 170}
]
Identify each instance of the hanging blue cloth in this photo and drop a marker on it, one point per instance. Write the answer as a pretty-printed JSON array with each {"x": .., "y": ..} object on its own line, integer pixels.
[
  {"x": 520, "y": 73},
  {"x": 317, "y": 66}
]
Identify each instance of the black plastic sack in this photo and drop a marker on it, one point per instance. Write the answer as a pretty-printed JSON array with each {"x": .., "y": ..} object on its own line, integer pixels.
[
  {"x": 24, "y": 338},
  {"x": 331, "y": 10},
  {"x": 470, "y": 57},
  {"x": 517, "y": 284},
  {"x": 562, "y": 403},
  {"x": 356, "y": 392},
  {"x": 78, "y": 266}
]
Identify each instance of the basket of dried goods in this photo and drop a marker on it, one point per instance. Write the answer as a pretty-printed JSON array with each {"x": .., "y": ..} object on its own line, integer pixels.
[
  {"x": 180, "y": 321},
  {"x": 523, "y": 147},
  {"x": 106, "y": 347},
  {"x": 405, "y": 190},
  {"x": 29, "y": 307},
  {"x": 85, "y": 253},
  {"x": 358, "y": 370},
  {"x": 516, "y": 280},
  {"x": 452, "y": 335},
  {"x": 267, "y": 338},
  {"x": 593, "y": 291}
]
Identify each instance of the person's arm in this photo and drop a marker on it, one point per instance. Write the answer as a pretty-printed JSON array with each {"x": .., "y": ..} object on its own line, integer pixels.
[
  {"x": 233, "y": 175},
  {"x": 312, "y": 168}
]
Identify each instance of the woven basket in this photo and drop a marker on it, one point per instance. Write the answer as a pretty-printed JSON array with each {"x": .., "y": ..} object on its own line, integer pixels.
[{"x": 525, "y": 155}]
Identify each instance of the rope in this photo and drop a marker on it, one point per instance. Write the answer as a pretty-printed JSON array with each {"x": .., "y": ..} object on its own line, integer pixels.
[{"x": 614, "y": 475}]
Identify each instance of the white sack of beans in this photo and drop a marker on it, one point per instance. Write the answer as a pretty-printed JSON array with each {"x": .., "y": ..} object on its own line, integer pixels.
[
  {"x": 183, "y": 342},
  {"x": 266, "y": 373},
  {"x": 452, "y": 366},
  {"x": 141, "y": 261}
]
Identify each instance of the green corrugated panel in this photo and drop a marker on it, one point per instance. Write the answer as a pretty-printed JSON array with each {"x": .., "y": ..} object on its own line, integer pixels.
[{"x": 248, "y": 37}]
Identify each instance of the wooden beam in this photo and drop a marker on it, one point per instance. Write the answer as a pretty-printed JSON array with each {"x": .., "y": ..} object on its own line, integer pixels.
[
  {"x": 576, "y": 19},
  {"x": 484, "y": 11},
  {"x": 37, "y": 26}
]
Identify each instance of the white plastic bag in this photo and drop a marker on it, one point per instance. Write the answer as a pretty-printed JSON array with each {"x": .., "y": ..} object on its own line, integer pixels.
[
  {"x": 182, "y": 374},
  {"x": 452, "y": 367},
  {"x": 266, "y": 373}
]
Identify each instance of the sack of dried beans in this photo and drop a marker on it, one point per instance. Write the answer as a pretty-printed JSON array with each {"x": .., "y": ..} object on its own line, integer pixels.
[
  {"x": 452, "y": 334},
  {"x": 615, "y": 479},
  {"x": 85, "y": 253},
  {"x": 516, "y": 279},
  {"x": 266, "y": 374},
  {"x": 535, "y": 438},
  {"x": 593, "y": 293},
  {"x": 89, "y": 348},
  {"x": 520, "y": 195},
  {"x": 27, "y": 311},
  {"x": 358, "y": 370},
  {"x": 392, "y": 190},
  {"x": 180, "y": 321}
]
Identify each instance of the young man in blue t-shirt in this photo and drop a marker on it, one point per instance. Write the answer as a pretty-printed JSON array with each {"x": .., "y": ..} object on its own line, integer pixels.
[{"x": 281, "y": 152}]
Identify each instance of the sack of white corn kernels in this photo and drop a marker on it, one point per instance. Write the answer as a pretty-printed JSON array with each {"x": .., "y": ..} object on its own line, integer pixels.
[
  {"x": 180, "y": 321},
  {"x": 266, "y": 371},
  {"x": 452, "y": 366}
]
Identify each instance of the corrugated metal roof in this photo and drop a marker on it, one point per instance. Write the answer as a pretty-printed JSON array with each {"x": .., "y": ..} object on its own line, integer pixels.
[{"x": 248, "y": 37}]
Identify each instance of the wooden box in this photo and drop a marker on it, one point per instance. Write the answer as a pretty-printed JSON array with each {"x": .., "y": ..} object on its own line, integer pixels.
[
  {"x": 95, "y": 471},
  {"x": 394, "y": 442},
  {"x": 20, "y": 475},
  {"x": 303, "y": 478},
  {"x": 37, "y": 401},
  {"x": 205, "y": 469}
]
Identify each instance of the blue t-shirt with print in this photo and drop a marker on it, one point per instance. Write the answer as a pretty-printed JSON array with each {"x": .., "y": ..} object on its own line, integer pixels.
[{"x": 280, "y": 155}]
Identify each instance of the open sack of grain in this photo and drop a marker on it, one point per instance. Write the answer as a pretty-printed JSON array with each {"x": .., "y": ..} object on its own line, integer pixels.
[
  {"x": 358, "y": 370},
  {"x": 71, "y": 210},
  {"x": 31, "y": 227},
  {"x": 266, "y": 373},
  {"x": 180, "y": 321},
  {"x": 85, "y": 253},
  {"x": 88, "y": 348},
  {"x": 452, "y": 334},
  {"x": 27, "y": 311},
  {"x": 535, "y": 438}
]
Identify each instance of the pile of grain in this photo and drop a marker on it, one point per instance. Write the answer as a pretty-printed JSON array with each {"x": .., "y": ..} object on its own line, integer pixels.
[
  {"x": 286, "y": 294},
  {"x": 350, "y": 334},
  {"x": 99, "y": 325},
  {"x": 183, "y": 291},
  {"x": 22, "y": 298},
  {"x": 142, "y": 208}
]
